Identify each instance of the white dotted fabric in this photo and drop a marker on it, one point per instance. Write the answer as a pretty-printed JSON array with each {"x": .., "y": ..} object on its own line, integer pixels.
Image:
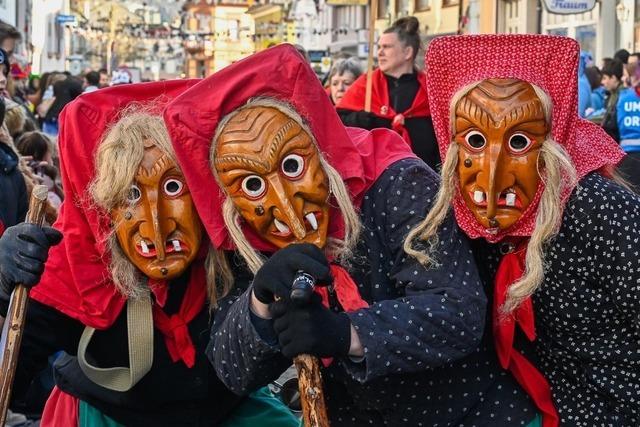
[{"x": 549, "y": 62}]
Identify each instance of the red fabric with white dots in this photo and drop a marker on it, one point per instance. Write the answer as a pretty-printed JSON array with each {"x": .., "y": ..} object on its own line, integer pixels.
[{"x": 549, "y": 62}]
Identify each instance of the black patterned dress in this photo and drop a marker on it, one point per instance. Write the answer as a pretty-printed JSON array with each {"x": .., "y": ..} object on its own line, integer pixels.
[{"x": 587, "y": 311}]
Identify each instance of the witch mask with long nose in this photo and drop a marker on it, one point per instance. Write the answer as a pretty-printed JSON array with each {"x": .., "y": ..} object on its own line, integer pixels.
[
  {"x": 270, "y": 167},
  {"x": 500, "y": 126},
  {"x": 158, "y": 228}
]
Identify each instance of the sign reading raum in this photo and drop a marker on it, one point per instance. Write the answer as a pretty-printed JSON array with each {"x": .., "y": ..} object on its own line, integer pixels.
[
  {"x": 566, "y": 7},
  {"x": 347, "y": 2}
]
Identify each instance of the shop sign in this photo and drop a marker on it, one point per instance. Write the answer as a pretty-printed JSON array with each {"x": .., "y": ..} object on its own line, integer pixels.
[{"x": 567, "y": 7}]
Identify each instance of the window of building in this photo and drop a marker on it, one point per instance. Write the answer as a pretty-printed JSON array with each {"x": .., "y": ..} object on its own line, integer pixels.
[
  {"x": 383, "y": 8},
  {"x": 423, "y": 5},
  {"x": 402, "y": 7},
  {"x": 446, "y": 3}
]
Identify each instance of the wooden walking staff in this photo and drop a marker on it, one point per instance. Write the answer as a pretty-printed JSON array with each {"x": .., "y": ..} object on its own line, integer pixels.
[
  {"x": 14, "y": 322},
  {"x": 314, "y": 408},
  {"x": 373, "y": 14}
]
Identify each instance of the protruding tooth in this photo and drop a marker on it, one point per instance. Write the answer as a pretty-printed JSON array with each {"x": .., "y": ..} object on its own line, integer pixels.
[
  {"x": 176, "y": 245},
  {"x": 478, "y": 196},
  {"x": 145, "y": 248},
  {"x": 311, "y": 217},
  {"x": 511, "y": 199},
  {"x": 281, "y": 226}
]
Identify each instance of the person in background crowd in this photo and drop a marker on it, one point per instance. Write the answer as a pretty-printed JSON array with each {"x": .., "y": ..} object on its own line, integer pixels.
[
  {"x": 91, "y": 82},
  {"x": 64, "y": 91},
  {"x": 399, "y": 96},
  {"x": 634, "y": 57},
  {"x": 41, "y": 150},
  {"x": 14, "y": 118},
  {"x": 628, "y": 112},
  {"x": 104, "y": 78},
  {"x": 612, "y": 82},
  {"x": 9, "y": 37},
  {"x": 47, "y": 99},
  {"x": 120, "y": 77},
  {"x": 622, "y": 55},
  {"x": 598, "y": 91},
  {"x": 341, "y": 76},
  {"x": 584, "y": 88},
  {"x": 13, "y": 189}
]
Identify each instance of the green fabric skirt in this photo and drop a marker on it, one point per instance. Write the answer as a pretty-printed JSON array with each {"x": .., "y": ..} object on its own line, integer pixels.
[{"x": 261, "y": 408}]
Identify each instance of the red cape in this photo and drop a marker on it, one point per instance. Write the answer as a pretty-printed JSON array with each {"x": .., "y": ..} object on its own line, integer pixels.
[
  {"x": 76, "y": 280},
  {"x": 354, "y": 100},
  {"x": 279, "y": 72}
]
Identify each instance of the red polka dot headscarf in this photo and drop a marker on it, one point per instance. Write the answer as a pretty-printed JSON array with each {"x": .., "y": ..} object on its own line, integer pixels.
[{"x": 549, "y": 62}]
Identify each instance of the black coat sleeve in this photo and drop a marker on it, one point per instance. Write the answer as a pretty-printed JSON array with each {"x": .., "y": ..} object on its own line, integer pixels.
[
  {"x": 244, "y": 361},
  {"x": 438, "y": 316},
  {"x": 46, "y": 332}
]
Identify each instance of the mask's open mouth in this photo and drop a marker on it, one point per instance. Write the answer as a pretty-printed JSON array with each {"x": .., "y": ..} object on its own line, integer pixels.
[
  {"x": 508, "y": 198},
  {"x": 310, "y": 222},
  {"x": 147, "y": 249}
]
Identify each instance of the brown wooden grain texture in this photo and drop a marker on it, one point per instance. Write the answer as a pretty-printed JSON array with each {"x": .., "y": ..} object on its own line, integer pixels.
[{"x": 314, "y": 409}]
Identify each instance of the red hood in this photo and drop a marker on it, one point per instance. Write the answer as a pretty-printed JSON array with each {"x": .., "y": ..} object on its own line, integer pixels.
[
  {"x": 280, "y": 72},
  {"x": 76, "y": 280},
  {"x": 549, "y": 62}
]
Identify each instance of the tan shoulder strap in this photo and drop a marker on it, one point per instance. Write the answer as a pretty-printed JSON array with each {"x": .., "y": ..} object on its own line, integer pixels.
[{"x": 140, "y": 339}]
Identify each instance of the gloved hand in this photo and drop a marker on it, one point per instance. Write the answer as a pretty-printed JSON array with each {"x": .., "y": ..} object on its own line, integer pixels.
[
  {"x": 276, "y": 275},
  {"x": 23, "y": 251},
  {"x": 311, "y": 329}
]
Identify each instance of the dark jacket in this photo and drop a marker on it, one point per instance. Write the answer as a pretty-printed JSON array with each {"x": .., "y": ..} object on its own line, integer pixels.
[
  {"x": 422, "y": 363},
  {"x": 13, "y": 191},
  {"x": 402, "y": 92},
  {"x": 170, "y": 394},
  {"x": 587, "y": 310}
]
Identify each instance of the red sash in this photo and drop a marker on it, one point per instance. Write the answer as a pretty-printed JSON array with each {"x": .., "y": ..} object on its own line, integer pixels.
[{"x": 511, "y": 268}]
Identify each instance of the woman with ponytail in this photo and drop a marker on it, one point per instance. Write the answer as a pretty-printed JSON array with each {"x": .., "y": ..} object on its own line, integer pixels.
[{"x": 399, "y": 94}]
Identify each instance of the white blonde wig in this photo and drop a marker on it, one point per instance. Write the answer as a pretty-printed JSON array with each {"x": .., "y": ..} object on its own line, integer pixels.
[
  {"x": 556, "y": 170},
  {"x": 117, "y": 162},
  {"x": 341, "y": 249}
]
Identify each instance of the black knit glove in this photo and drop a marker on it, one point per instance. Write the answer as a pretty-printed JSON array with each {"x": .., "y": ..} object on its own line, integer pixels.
[
  {"x": 24, "y": 249},
  {"x": 311, "y": 329},
  {"x": 276, "y": 276}
]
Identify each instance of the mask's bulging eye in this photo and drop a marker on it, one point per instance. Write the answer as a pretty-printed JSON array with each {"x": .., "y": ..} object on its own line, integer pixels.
[
  {"x": 475, "y": 140},
  {"x": 173, "y": 187},
  {"x": 292, "y": 166},
  {"x": 253, "y": 186},
  {"x": 519, "y": 143},
  {"x": 134, "y": 194}
]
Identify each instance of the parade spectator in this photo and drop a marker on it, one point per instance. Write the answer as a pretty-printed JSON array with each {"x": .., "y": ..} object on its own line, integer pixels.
[
  {"x": 91, "y": 82},
  {"x": 14, "y": 119},
  {"x": 584, "y": 88},
  {"x": 633, "y": 57},
  {"x": 13, "y": 190},
  {"x": 622, "y": 55},
  {"x": 64, "y": 91},
  {"x": 342, "y": 75},
  {"x": 9, "y": 37},
  {"x": 40, "y": 149},
  {"x": 104, "y": 78},
  {"x": 399, "y": 96},
  {"x": 598, "y": 92},
  {"x": 628, "y": 109},
  {"x": 120, "y": 77},
  {"x": 47, "y": 99},
  {"x": 612, "y": 82}
]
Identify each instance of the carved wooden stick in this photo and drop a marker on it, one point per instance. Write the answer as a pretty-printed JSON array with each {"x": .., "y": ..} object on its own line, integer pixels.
[
  {"x": 314, "y": 409},
  {"x": 14, "y": 323}
]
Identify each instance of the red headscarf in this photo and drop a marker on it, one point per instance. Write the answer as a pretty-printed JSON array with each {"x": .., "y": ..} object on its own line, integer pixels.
[
  {"x": 281, "y": 73},
  {"x": 549, "y": 62},
  {"x": 354, "y": 99},
  {"x": 76, "y": 280}
]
